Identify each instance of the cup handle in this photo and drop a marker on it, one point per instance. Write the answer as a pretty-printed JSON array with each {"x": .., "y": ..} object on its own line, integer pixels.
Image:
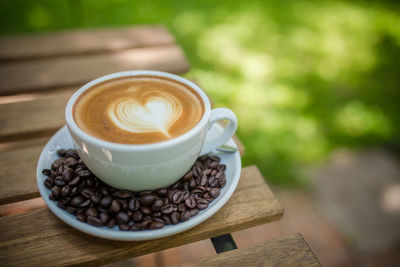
[{"x": 216, "y": 115}]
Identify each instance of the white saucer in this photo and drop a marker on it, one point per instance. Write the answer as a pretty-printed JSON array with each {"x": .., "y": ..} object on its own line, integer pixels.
[{"x": 62, "y": 139}]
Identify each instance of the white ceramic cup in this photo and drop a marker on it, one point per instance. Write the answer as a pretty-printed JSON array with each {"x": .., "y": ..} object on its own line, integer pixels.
[{"x": 148, "y": 166}]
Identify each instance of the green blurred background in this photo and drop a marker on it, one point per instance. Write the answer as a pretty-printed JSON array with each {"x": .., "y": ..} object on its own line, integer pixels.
[{"x": 304, "y": 77}]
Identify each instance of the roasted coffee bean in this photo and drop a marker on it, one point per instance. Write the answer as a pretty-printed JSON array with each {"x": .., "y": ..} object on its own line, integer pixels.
[
  {"x": 94, "y": 221},
  {"x": 111, "y": 223},
  {"x": 56, "y": 164},
  {"x": 175, "y": 217},
  {"x": 156, "y": 225},
  {"x": 186, "y": 186},
  {"x": 76, "y": 201},
  {"x": 74, "y": 181},
  {"x": 177, "y": 197},
  {"x": 83, "y": 173},
  {"x": 90, "y": 182},
  {"x": 61, "y": 205},
  {"x": 85, "y": 203},
  {"x": 162, "y": 192},
  {"x": 60, "y": 170},
  {"x": 81, "y": 217},
  {"x": 213, "y": 181},
  {"x": 181, "y": 207},
  {"x": 170, "y": 193},
  {"x": 87, "y": 192},
  {"x": 145, "y": 210},
  {"x": 145, "y": 223},
  {"x": 185, "y": 216},
  {"x": 71, "y": 162},
  {"x": 206, "y": 171},
  {"x": 65, "y": 191},
  {"x": 115, "y": 206},
  {"x": 68, "y": 174},
  {"x": 145, "y": 192},
  {"x": 222, "y": 181},
  {"x": 219, "y": 174},
  {"x": 176, "y": 185},
  {"x": 202, "y": 204},
  {"x": 46, "y": 172},
  {"x": 196, "y": 191},
  {"x": 188, "y": 176},
  {"x": 52, "y": 197},
  {"x": 147, "y": 199},
  {"x": 122, "y": 217},
  {"x": 104, "y": 217},
  {"x": 193, "y": 212},
  {"x": 124, "y": 194},
  {"x": 53, "y": 174},
  {"x": 48, "y": 183},
  {"x": 133, "y": 204},
  {"x": 156, "y": 214},
  {"x": 59, "y": 181},
  {"x": 221, "y": 167},
  {"x": 124, "y": 203},
  {"x": 71, "y": 153},
  {"x": 71, "y": 209},
  {"x": 104, "y": 191},
  {"x": 203, "y": 181},
  {"x": 214, "y": 192},
  {"x": 81, "y": 211},
  {"x": 156, "y": 206},
  {"x": 158, "y": 220},
  {"x": 95, "y": 199},
  {"x": 195, "y": 172},
  {"x": 105, "y": 202},
  {"x": 167, "y": 209},
  {"x": 192, "y": 184},
  {"x": 91, "y": 212},
  {"x": 135, "y": 227},
  {"x": 74, "y": 191},
  {"x": 61, "y": 152},
  {"x": 137, "y": 216},
  {"x": 56, "y": 191},
  {"x": 124, "y": 227},
  {"x": 166, "y": 219},
  {"x": 214, "y": 172},
  {"x": 213, "y": 165},
  {"x": 190, "y": 202}
]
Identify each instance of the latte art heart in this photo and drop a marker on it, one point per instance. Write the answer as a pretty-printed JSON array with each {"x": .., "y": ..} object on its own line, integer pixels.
[{"x": 157, "y": 114}]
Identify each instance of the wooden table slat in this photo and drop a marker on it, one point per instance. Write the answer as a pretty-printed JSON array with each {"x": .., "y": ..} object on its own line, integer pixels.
[
  {"x": 36, "y": 237},
  {"x": 18, "y": 77},
  {"x": 288, "y": 251},
  {"x": 27, "y": 47}
]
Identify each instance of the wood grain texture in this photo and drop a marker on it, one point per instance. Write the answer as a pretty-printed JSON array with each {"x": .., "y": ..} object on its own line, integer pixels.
[
  {"x": 38, "y": 237},
  {"x": 18, "y": 170},
  {"x": 27, "y": 47},
  {"x": 41, "y": 115},
  {"x": 289, "y": 251},
  {"x": 17, "y": 77}
]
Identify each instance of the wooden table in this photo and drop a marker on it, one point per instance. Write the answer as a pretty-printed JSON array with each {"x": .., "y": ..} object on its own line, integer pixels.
[{"x": 38, "y": 74}]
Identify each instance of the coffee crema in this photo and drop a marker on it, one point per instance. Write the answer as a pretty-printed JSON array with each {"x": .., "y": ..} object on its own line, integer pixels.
[{"x": 138, "y": 110}]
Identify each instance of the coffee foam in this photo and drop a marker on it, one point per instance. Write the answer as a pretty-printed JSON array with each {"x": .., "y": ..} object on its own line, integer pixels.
[
  {"x": 138, "y": 110},
  {"x": 157, "y": 113}
]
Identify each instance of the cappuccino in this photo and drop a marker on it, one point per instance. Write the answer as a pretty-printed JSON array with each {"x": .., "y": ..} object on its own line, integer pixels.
[{"x": 138, "y": 110}]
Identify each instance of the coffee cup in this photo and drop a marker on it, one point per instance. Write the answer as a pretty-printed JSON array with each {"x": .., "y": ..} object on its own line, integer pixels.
[{"x": 143, "y": 130}]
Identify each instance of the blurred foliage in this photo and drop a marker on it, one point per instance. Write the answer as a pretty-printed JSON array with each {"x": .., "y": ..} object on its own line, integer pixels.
[{"x": 304, "y": 77}]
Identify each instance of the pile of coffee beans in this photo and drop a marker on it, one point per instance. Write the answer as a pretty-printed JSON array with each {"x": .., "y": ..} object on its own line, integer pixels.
[{"x": 80, "y": 192}]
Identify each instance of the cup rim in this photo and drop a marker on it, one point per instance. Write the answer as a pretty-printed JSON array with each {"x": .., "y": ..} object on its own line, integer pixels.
[{"x": 72, "y": 125}]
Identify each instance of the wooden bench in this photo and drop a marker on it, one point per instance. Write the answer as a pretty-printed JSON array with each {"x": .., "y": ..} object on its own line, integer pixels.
[
  {"x": 289, "y": 251},
  {"x": 38, "y": 74}
]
